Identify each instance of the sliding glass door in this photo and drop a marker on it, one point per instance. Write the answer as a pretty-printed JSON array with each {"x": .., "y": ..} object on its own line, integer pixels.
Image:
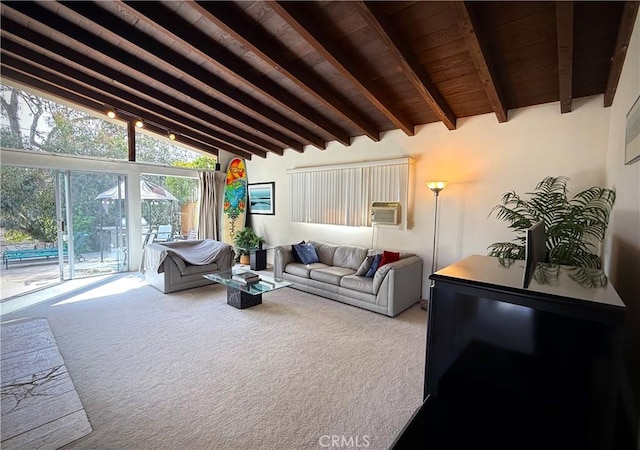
[
  {"x": 92, "y": 220},
  {"x": 59, "y": 225}
]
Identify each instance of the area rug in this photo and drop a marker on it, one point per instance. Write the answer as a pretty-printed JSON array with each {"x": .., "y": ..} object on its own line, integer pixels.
[{"x": 40, "y": 406}]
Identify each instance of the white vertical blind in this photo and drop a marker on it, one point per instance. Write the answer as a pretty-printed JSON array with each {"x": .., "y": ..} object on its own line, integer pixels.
[{"x": 342, "y": 194}]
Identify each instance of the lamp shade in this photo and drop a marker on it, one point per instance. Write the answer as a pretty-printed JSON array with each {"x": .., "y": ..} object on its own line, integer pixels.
[{"x": 436, "y": 186}]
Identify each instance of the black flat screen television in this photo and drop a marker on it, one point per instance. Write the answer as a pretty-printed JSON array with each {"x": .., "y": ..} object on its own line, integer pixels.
[{"x": 535, "y": 251}]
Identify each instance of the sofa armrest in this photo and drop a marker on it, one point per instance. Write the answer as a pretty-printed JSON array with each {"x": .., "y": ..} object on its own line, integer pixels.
[
  {"x": 399, "y": 284},
  {"x": 284, "y": 256}
]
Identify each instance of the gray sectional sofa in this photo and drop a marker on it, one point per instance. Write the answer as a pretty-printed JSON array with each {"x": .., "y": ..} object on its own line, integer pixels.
[{"x": 394, "y": 287}]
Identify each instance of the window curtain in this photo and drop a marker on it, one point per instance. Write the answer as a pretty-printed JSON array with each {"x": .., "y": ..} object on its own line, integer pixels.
[
  {"x": 210, "y": 209},
  {"x": 342, "y": 195}
]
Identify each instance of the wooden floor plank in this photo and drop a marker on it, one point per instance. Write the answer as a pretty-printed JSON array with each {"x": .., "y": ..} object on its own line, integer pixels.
[
  {"x": 16, "y": 330},
  {"x": 52, "y": 435},
  {"x": 12, "y": 346},
  {"x": 25, "y": 392},
  {"x": 46, "y": 410},
  {"x": 23, "y": 365}
]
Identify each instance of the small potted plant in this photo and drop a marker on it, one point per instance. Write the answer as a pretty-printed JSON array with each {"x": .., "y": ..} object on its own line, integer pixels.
[{"x": 246, "y": 240}]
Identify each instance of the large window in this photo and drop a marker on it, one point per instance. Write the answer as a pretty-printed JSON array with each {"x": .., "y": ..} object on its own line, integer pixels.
[
  {"x": 342, "y": 194},
  {"x": 32, "y": 122},
  {"x": 168, "y": 205}
]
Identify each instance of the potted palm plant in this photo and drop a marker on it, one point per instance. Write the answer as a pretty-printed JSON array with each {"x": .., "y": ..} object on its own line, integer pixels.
[
  {"x": 574, "y": 227},
  {"x": 246, "y": 240}
]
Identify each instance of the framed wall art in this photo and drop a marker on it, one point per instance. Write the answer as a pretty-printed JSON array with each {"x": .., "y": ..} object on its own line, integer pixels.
[
  {"x": 262, "y": 198},
  {"x": 632, "y": 134}
]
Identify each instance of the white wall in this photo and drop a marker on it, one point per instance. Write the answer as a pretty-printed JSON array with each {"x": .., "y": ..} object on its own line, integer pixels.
[
  {"x": 623, "y": 261},
  {"x": 482, "y": 159}
]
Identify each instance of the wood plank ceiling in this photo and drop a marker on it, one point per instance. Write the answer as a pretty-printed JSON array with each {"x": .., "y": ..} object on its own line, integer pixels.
[{"x": 254, "y": 78}]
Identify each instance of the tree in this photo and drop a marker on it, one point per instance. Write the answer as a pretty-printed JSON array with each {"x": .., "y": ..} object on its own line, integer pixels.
[
  {"x": 27, "y": 203},
  {"x": 183, "y": 188}
]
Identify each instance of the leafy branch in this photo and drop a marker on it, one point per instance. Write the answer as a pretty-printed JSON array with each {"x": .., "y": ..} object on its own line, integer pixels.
[{"x": 574, "y": 227}]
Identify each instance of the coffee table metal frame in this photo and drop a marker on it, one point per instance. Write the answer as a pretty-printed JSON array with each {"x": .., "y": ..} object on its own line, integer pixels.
[{"x": 240, "y": 295}]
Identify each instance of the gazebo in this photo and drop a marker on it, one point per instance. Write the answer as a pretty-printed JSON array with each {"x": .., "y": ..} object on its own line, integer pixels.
[{"x": 149, "y": 192}]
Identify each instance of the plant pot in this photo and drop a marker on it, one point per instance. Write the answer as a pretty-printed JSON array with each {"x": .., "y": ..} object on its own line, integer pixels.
[{"x": 245, "y": 260}]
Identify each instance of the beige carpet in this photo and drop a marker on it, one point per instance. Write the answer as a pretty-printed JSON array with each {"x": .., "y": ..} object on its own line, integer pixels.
[
  {"x": 40, "y": 406},
  {"x": 186, "y": 370}
]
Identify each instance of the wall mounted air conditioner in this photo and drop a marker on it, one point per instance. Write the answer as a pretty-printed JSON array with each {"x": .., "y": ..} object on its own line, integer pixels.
[{"x": 385, "y": 213}]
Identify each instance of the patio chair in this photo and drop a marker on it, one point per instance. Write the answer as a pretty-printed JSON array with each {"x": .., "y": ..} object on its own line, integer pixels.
[
  {"x": 148, "y": 239},
  {"x": 164, "y": 233}
]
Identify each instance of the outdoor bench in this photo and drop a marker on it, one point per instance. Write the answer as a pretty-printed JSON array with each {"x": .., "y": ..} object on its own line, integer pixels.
[
  {"x": 34, "y": 253},
  {"x": 29, "y": 253}
]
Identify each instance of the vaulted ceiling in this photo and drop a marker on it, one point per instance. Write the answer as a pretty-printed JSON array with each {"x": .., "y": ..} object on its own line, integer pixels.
[{"x": 255, "y": 77}]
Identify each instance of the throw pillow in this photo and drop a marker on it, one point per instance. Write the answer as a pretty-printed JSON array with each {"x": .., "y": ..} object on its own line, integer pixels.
[
  {"x": 365, "y": 266},
  {"x": 296, "y": 257},
  {"x": 307, "y": 253},
  {"x": 389, "y": 257},
  {"x": 374, "y": 266}
]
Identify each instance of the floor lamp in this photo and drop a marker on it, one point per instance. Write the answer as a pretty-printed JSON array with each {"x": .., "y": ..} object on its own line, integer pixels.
[{"x": 436, "y": 187}]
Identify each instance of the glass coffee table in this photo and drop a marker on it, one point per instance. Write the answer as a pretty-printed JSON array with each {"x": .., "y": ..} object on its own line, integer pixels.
[{"x": 241, "y": 295}]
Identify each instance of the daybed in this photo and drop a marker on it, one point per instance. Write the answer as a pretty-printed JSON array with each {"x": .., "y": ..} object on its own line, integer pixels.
[
  {"x": 179, "y": 265},
  {"x": 393, "y": 287}
]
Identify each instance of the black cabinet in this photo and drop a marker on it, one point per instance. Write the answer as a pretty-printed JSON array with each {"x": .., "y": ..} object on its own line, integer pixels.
[
  {"x": 258, "y": 259},
  {"x": 508, "y": 367}
]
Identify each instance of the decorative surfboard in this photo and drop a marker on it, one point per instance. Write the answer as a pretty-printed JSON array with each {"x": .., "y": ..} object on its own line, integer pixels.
[{"x": 234, "y": 210}]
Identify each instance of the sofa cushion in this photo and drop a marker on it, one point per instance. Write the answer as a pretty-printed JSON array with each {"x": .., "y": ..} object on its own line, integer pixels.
[
  {"x": 296, "y": 258},
  {"x": 191, "y": 269},
  {"x": 331, "y": 275},
  {"x": 350, "y": 257},
  {"x": 365, "y": 266},
  {"x": 303, "y": 270},
  {"x": 357, "y": 283},
  {"x": 325, "y": 252},
  {"x": 178, "y": 262},
  {"x": 389, "y": 257},
  {"x": 306, "y": 253},
  {"x": 374, "y": 266}
]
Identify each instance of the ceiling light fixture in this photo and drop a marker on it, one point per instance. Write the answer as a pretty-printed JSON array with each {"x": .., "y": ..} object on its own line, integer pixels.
[
  {"x": 111, "y": 113},
  {"x": 171, "y": 135},
  {"x": 139, "y": 123}
]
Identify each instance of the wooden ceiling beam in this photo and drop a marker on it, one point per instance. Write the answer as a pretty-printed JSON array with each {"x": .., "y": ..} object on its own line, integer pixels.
[
  {"x": 35, "y": 12},
  {"x": 386, "y": 31},
  {"x": 11, "y": 46},
  {"x": 66, "y": 89},
  {"x": 564, "y": 29},
  {"x": 183, "y": 139},
  {"x": 304, "y": 23},
  {"x": 200, "y": 43},
  {"x": 121, "y": 29},
  {"x": 11, "y": 28},
  {"x": 480, "y": 58},
  {"x": 135, "y": 102},
  {"x": 629, "y": 13},
  {"x": 232, "y": 20}
]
